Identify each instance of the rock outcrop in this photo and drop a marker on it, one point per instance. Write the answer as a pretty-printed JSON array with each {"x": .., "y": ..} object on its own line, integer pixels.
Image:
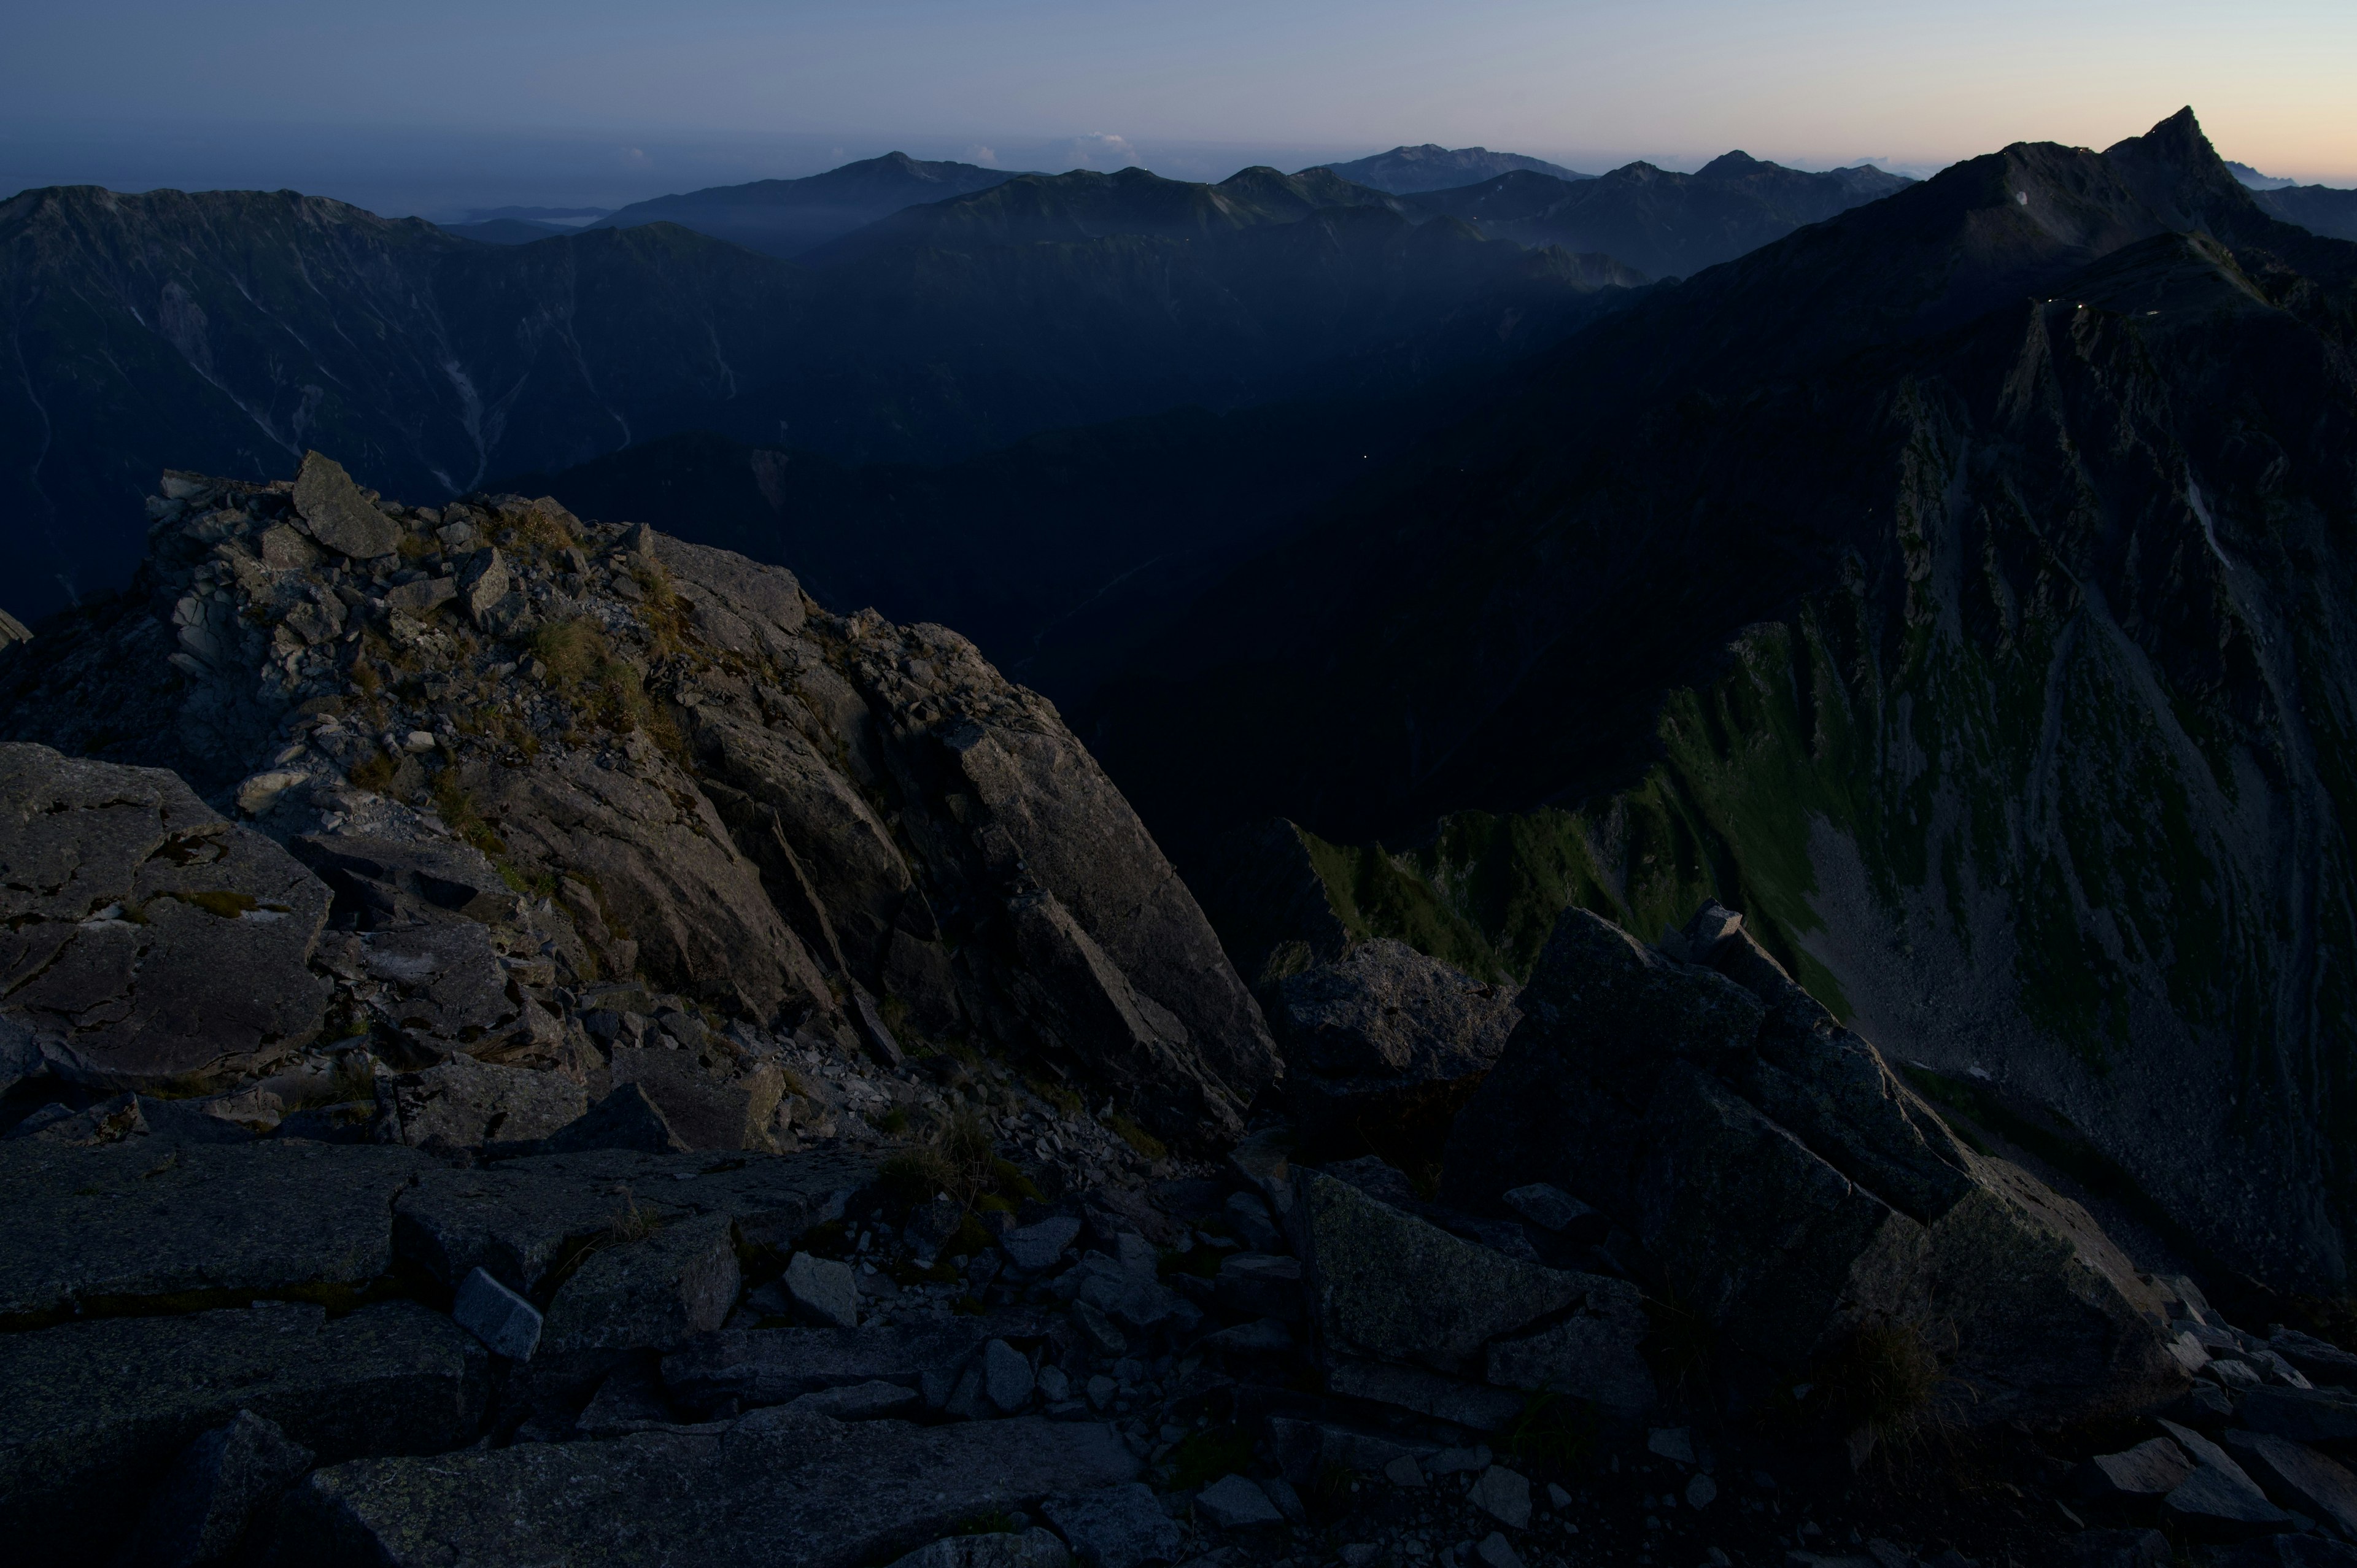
[
  {"x": 1792, "y": 1192},
  {"x": 560, "y": 788}
]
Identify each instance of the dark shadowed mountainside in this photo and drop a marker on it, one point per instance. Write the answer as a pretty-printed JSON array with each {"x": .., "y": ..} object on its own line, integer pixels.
[
  {"x": 789, "y": 217},
  {"x": 1404, "y": 170},
  {"x": 1662, "y": 223},
  {"x": 1962, "y": 587},
  {"x": 229, "y": 330},
  {"x": 2320, "y": 208}
]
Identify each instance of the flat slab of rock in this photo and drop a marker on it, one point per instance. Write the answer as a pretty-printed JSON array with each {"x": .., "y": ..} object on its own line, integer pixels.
[
  {"x": 2304, "y": 1416},
  {"x": 213, "y": 1492},
  {"x": 1590, "y": 1354},
  {"x": 339, "y": 517},
  {"x": 788, "y": 1488},
  {"x": 1428, "y": 1393},
  {"x": 518, "y": 1221},
  {"x": 770, "y": 1366},
  {"x": 99, "y": 1410},
  {"x": 651, "y": 1293},
  {"x": 464, "y": 1105},
  {"x": 1115, "y": 1527},
  {"x": 1390, "y": 1285},
  {"x": 106, "y": 1229},
  {"x": 2299, "y": 1477},
  {"x": 146, "y": 942}
]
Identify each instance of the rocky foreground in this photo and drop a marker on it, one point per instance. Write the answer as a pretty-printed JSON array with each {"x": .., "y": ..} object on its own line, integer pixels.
[{"x": 528, "y": 1042}]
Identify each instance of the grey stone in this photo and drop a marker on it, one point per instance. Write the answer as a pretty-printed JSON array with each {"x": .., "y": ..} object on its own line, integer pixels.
[
  {"x": 702, "y": 1111},
  {"x": 1674, "y": 1444},
  {"x": 110, "y": 1228},
  {"x": 1115, "y": 1527},
  {"x": 1037, "y": 1248},
  {"x": 629, "y": 1398},
  {"x": 383, "y": 881},
  {"x": 2304, "y": 1416},
  {"x": 1403, "y": 1471},
  {"x": 1495, "y": 1552},
  {"x": 1261, "y": 1285},
  {"x": 466, "y": 1104},
  {"x": 1248, "y": 1216},
  {"x": 98, "y": 1411},
  {"x": 507, "y": 1324},
  {"x": 2152, "y": 1469},
  {"x": 145, "y": 942},
  {"x": 1387, "y": 1285},
  {"x": 782, "y": 1486},
  {"x": 2218, "y": 1501},
  {"x": 1411, "y": 1388},
  {"x": 448, "y": 979},
  {"x": 1453, "y": 1461},
  {"x": 1305, "y": 1450},
  {"x": 625, "y": 1119},
  {"x": 1262, "y": 1337},
  {"x": 1235, "y": 1502},
  {"x": 1033, "y": 1548},
  {"x": 519, "y": 1220},
  {"x": 1701, "y": 1492},
  {"x": 860, "y": 1401},
  {"x": 825, "y": 1289},
  {"x": 340, "y": 517},
  {"x": 200, "y": 1510},
  {"x": 1551, "y": 1209},
  {"x": 1006, "y": 1376},
  {"x": 1130, "y": 1296},
  {"x": 770, "y": 1366},
  {"x": 2119, "y": 1549},
  {"x": 1287, "y": 1500},
  {"x": 1385, "y": 1043},
  {"x": 2220, "y": 1505},
  {"x": 1504, "y": 1494},
  {"x": 2326, "y": 1362},
  {"x": 2299, "y": 1477},
  {"x": 421, "y": 596},
  {"x": 1787, "y": 1182},
  {"x": 1591, "y": 1354},
  {"x": 651, "y": 1293},
  {"x": 482, "y": 582}
]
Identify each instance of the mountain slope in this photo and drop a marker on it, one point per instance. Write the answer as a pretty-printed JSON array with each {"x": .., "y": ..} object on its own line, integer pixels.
[
  {"x": 228, "y": 331},
  {"x": 2320, "y": 208},
  {"x": 1040, "y": 209},
  {"x": 1962, "y": 585},
  {"x": 1659, "y": 222},
  {"x": 788, "y": 216},
  {"x": 1405, "y": 171}
]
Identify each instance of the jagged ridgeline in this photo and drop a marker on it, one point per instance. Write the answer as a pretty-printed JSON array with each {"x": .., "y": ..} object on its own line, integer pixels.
[
  {"x": 1963, "y": 587},
  {"x": 545, "y": 766}
]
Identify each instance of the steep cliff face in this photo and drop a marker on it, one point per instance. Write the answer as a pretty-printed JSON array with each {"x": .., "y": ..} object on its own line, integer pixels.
[
  {"x": 639, "y": 762},
  {"x": 1993, "y": 651}
]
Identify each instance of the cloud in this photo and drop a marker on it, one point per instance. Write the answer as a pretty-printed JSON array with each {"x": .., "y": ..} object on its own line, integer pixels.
[
  {"x": 978, "y": 153},
  {"x": 1101, "y": 150},
  {"x": 635, "y": 157}
]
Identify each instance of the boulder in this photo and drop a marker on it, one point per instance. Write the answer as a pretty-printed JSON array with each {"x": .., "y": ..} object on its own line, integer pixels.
[
  {"x": 1236, "y": 1502},
  {"x": 466, "y": 1104},
  {"x": 1504, "y": 1494},
  {"x": 2218, "y": 1501},
  {"x": 1387, "y": 1285},
  {"x": 1115, "y": 1527},
  {"x": 508, "y": 1325},
  {"x": 786, "y": 1487},
  {"x": 149, "y": 1225},
  {"x": 1037, "y": 1248},
  {"x": 200, "y": 1510},
  {"x": 521, "y": 1220},
  {"x": 1428, "y": 1393},
  {"x": 444, "y": 980},
  {"x": 861, "y": 1401},
  {"x": 1589, "y": 1354},
  {"x": 99, "y": 1410},
  {"x": 2304, "y": 1416},
  {"x": 759, "y": 1367},
  {"x": 649, "y": 1293},
  {"x": 823, "y": 1290},
  {"x": 145, "y": 941},
  {"x": 2144, "y": 1472},
  {"x": 2299, "y": 1477},
  {"x": 1382, "y": 1046},
  {"x": 382, "y": 881},
  {"x": 1791, "y": 1188},
  {"x": 625, "y": 1119},
  {"x": 1259, "y": 1284},
  {"x": 702, "y": 1110},
  {"x": 338, "y": 515},
  {"x": 1033, "y": 1548}
]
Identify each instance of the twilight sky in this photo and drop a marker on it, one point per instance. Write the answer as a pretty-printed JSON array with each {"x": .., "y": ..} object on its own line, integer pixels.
[{"x": 440, "y": 101}]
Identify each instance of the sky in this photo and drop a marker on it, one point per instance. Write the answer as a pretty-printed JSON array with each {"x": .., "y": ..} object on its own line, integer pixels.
[{"x": 436, "y": 106}]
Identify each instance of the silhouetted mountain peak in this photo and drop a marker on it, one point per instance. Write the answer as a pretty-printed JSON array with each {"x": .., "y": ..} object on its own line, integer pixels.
[
  {"x": 2176, "y": 173},
  {"x": 1729, "y": 166},
  {"x": 1429, "y": 167}
]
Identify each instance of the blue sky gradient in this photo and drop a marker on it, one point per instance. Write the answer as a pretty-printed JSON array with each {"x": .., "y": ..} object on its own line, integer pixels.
[{"x": 434, "y": 103}]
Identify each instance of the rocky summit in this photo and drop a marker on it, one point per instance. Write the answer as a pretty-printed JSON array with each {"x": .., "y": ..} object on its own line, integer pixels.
[{"x": 528, "y": 1041}]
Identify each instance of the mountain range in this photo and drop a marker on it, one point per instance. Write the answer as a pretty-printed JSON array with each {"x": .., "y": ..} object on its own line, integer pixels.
[
  {"x": 1959, "y": 583},
  {"x": 1404, "y": 171},
  {"x": 790, "y": 217},
  {"x": 235, "y": 328}
]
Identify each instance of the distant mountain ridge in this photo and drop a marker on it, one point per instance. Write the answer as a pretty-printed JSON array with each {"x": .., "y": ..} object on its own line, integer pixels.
[
  {"x": 1406, "y": 170},
  {"x": 786, "y": 218},
  {"x": 1662, "y": 223},
  {"x": 229, "y": 330}
]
